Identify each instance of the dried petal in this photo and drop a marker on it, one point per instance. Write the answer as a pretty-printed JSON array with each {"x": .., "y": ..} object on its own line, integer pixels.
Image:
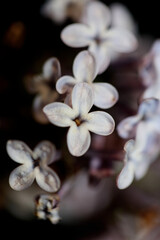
[
  {"x": 47, "y": 179},
  {"x": 19, "y": 152},
  {"x": 21, "y": 178}
]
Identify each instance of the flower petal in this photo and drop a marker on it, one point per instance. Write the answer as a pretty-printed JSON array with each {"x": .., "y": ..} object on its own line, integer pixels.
[
  {"x": 21, "y": 178},
  {"x": 100, "y": 123},
  {"x": 97, "y": 15},
  {"x": 82, "y": 98},
  {"x": 105, "y": 95},
  {"x": 52, "y": 68},
  {"x": 126, "y": 176},
  {"x": 121, "y": 40},
  {"x": 127, "y": 127},
  {"x": 78, "y": 140},
  {"x": 19, "y": 152},
  {"x": 59, "y": 114},
  {"x": 84, "y": 67},
  {"x": 46, "y": 151},
  {"x": 65, "y": 84},
  {"x": 122, "y": 18},
  {"x": 101, "y": 53},
  {"x": 76, "y": 35},
  {"x": 47, "y": 179}
]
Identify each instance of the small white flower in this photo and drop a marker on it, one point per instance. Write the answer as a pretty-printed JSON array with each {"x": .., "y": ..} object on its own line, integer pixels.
[
  {"x": 148, "y": 110},
  {"x": 79, "y": 120},
  {"x": 84, "y": 70},
  {"x": 60, "y": 10},
  {"x": 33, "y": 166},
  {"x": 94, "y": 32},
  {"x": 140, "y": 153},
  {"x": 43, "y": 86}
]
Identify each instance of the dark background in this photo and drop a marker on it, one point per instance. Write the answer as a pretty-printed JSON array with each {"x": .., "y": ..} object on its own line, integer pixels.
[{"x": 41, "y": 40}]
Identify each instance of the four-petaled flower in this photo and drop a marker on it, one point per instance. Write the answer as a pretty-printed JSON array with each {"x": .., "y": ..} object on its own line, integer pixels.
[
  {"x": 79, "y": 119},
  {"x": 94, "y": 32},
  {"x": 148, "y": 111},
  {"x": 33, "y": 166},
  {"x": 140, "y": 153},
  {"x": 84, "y": 70},
  {"x": 43, "y": 85}
]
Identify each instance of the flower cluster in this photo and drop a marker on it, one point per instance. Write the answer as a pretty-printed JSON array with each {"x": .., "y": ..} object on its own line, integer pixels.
[{"x": 81, "y": 101}]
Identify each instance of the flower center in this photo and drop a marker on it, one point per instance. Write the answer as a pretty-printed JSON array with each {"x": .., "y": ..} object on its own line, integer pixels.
[{"x": 78, "y": 121}]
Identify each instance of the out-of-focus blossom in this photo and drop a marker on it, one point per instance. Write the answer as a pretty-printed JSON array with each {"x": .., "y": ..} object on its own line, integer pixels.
[
  {"x": 60, "y": 10},
  {"x": 95, "y": 33},
  {"x": 47, "y": 207},
  {"x": 140, "y": 153},
  {"x": 150, "y": 65},
  {"x": 122, "y": 18},
  {"x": 34, "y": 165},
  {"x": 148, "y": 111},
  {"x": 43, "y": 85},
  {"x": 79, "y": 119},
  {"x": 84, "y": 70}
]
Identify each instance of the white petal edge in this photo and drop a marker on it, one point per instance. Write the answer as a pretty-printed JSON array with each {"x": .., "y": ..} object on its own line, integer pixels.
[
  {"x": 97, "y": 15},
  {"x": 127, "y": 127},
  {"x": 52, "y": 68},
  {"x": 19, "y": 151},
  {"x": 100, "y": 123},
  {"x": 47, "y": 179},
  {"x": 121, "y": 40},
  {"x": 65, "y": 84},
  {"x": 21, "y": 178},
  {"x": 46, "y": 151},
  {"x": 126, "y": 176},
  {"x": 76, "y": 35},
  {"x": 105, "y": 95},
  {"x": 82, "y": 99},
  {"x": 78, "y": 140},
  {"x": 84, "y": 67},
  {"x": 59, "y": 114}
]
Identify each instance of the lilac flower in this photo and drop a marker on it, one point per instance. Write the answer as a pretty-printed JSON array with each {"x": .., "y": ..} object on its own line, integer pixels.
[
  {"x": 60, "y": 10},
  {"x": 95, "y": 33},
  {"x": 43, "y": 86},
  {"x": 79, "y": 120},
  {"x": 33, "y": 166},
  {"x": 140, "y": 153},
  {"x": 149, "y": 110},
  {"x": 84, "y": 70}
]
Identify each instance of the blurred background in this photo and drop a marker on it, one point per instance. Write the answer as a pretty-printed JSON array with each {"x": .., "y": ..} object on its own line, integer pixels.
[{"x": 27, "y": 39}]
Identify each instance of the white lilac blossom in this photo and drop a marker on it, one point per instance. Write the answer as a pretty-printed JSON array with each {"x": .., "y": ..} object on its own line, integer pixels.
[
  {"x": 47, "y": 207},
  {"x": 34, "y": 165},
  {"x": 149, "y": 110},
  {"x": 95, "y": 32},
  {"x": 60, "y": 10},
  {"x": 140, "y": 153},
  {"x": 150, "y": 64},
  {"x": 122, "y": 18},
  {"x": 84, "y": 70},
  {"x": 43, "y": 86},
  {"x": 79, "y": 119}
]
